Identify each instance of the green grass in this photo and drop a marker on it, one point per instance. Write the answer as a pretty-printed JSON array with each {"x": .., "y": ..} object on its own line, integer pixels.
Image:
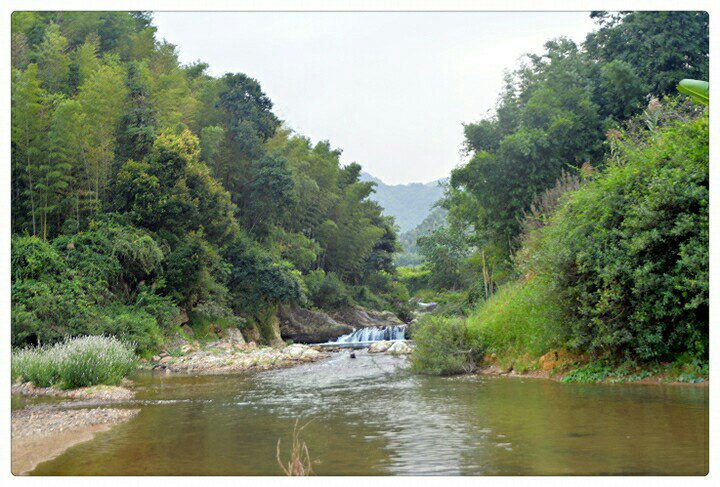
[
  {"x": 76, "y": 362},
  {"x": 683, "y": 369},
  {"x": 523, "y": 317},
  {"x": 205, "y": 327}
]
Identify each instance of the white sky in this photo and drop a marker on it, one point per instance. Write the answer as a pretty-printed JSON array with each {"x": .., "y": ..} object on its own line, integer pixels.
[{"x": 390, "y": 89}]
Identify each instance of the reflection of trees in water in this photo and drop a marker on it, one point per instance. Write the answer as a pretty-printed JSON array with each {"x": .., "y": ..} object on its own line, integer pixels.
[{"x": 371, "y": 417}]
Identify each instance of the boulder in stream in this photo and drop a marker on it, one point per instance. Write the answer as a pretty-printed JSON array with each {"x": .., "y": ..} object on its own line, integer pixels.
[
  {"x": 379, "y": 347},
  {"x": 399, "y": 348},
  {"x": 307, "y": 326}
]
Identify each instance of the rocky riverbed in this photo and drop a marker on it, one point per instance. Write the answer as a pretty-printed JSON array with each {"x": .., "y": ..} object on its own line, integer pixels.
[{"x": 226, "y": 357}]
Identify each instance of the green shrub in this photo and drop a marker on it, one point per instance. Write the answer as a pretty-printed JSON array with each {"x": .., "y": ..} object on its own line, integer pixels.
[
  {"x": 206, "y": 319},
  {"x": 522, "y": 317},
  {"x": 415, "y": 278},
  {"x": 76, "y": 362},
  {"x": 33, "y": 258},
  {"x": 630, "y": 248},
  {"x": 441, "y": 346},
  {"x": 130, "y": 324},
  {"x": 313, "y": 280},
  {"x": 45, "y": 311},
  {"x": 332, "y": 293}
]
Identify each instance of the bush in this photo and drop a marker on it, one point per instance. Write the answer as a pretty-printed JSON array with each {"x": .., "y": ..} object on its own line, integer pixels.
[
  {"x": 76, "y": 362},
  {"x": 630, "y": 248},
  {"x": 441, "y": 346},
  {"x": 130, "y": 324},
  {"x": 414, "y": 278},
  {"x": 523, "y": 317},
  {"x": 33, "y": 258},
  {"x": 332, "y": 293}
]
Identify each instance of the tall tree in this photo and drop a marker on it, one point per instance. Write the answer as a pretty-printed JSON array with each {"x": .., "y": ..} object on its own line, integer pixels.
[
  {"x": 102, "y": 97},
  {"x": 27, "y": 141},
  {"x": 138, "y": 124},
  {"x": 662, "y": 47},
  {"x": 54, "y": 60}
]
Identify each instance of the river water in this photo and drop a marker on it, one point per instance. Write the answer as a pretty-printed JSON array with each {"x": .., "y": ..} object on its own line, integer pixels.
[{"x": 370, "y": 416}]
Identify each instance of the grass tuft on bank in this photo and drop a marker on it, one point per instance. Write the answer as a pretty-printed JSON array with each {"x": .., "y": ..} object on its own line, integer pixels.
[
  {"x": 76, "y": 362},
  {"x": 524, "y": 318}
]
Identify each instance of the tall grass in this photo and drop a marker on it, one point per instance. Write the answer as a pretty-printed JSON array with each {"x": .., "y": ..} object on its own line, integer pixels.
[
  {"x": 76, "y": 362},
  {"x": 523, "y": 317}
]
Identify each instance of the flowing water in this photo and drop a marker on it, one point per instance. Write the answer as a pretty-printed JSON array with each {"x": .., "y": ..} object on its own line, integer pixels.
[
  {"x": 370, "y": 416},
  {"x": 374, "y": 334}
]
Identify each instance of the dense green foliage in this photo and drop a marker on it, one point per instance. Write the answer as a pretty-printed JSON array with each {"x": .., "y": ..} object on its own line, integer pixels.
[
  {"x": 584, "y": 205},
  {"x": 142, "y": 187},
  {"x": 621, "y": 269},
  {"x": 553, "y": 116},
  {"x": 77, "y": 362},
  {"x": 631, "y": 248}
]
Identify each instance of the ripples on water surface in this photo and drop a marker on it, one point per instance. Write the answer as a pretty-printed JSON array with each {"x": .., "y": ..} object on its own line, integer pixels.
[{"x": 372, "y": 417}]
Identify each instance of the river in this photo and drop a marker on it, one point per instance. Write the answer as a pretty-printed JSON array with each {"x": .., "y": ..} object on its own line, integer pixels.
[{"x": 371, "y": 416}]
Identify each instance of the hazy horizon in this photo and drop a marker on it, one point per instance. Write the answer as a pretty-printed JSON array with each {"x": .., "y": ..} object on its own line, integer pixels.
[{"x": 391, "y": 89}]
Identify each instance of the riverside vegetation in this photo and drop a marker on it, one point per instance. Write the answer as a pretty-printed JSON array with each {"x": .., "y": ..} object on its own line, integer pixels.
[
  {"x": 577, "y": 233},
  {"x": 147, "y": 195}
]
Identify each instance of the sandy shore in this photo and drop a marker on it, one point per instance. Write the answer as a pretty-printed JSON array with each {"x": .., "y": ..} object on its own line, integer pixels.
[{"x": 41, "y": 433}]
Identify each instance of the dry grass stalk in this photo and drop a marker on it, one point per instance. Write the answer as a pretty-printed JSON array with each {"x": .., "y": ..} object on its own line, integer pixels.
[{"x": 299, "y": 463}]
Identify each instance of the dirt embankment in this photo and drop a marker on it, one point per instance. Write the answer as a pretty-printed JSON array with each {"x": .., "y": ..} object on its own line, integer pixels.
[{"x": 556, "y": 365}]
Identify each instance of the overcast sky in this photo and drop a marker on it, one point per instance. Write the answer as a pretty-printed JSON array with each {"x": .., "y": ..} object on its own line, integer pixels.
[{"x": 390, "y": 89}]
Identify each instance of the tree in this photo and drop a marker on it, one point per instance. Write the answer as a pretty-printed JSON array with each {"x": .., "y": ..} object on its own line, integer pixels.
[
  {"x": 137, "y": 126},
  {"x": 661, "y": 47},
  {"x": 444, "y": 251},
  {"x": 102, "y": 97},
  {"x": 27, "y": 140},
  {"x": 66, "y": 150},
  {"x": 271, "y": 193},
  {"x": 53, "y": 60}
]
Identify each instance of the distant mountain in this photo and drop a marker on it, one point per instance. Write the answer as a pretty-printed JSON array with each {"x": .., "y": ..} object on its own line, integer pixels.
[
  {"x": 410, "y": 203},
  {"x": 410, "y": 255}
]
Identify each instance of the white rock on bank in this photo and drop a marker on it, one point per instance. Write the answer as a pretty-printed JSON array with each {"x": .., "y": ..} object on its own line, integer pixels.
[
  {"x": 399, "y": 348},
  {"x": 379, "y": 347}
]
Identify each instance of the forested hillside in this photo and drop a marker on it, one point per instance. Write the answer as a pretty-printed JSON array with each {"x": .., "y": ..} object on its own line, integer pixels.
[
  {"x": 580, "y": 221},
  {"x": 409, "y": 203},
  {"x": 144, "y": 190}
]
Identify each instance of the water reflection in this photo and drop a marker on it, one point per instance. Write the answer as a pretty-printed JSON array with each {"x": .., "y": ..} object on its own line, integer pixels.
[{"x": 370, "y": 416}]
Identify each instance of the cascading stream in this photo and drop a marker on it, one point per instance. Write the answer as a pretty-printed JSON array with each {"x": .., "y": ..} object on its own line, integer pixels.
[{"x": 374, "y": 334}]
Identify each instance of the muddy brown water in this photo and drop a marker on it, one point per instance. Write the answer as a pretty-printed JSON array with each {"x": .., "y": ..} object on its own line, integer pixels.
[{"x": 370, "y": 416}]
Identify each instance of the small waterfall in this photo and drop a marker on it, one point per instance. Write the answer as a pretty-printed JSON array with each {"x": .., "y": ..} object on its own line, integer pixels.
[{"x": 374, "y": 334}]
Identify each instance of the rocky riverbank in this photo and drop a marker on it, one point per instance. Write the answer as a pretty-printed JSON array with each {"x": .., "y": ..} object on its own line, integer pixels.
[
  {"x": 227, "y": 357},
  {"x": 40, "y": 433}
]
